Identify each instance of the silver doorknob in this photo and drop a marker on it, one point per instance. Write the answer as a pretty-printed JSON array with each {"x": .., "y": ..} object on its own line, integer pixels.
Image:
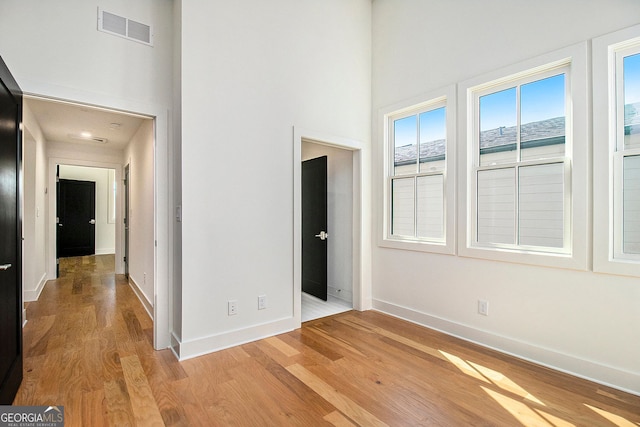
[
  {"x": 92, "y": 221},
  {"x": 323, "y": 235},
  {"x": 5, "y": 267}
]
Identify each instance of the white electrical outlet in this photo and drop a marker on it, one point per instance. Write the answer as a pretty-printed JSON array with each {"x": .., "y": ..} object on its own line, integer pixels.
[
  {"x": 262, "y": 302},
  {"x": 483, "y": 307},
  {"x": 232, "y": 306},
  {"x": 144, "y": 278}
]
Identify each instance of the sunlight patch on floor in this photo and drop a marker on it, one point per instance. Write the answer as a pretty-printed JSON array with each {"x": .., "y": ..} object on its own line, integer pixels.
[
  {"x": 615, "y": 419},
  {"x": 525, "y": 415}
]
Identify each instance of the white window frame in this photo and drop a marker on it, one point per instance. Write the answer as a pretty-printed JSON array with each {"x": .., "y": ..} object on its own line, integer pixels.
[
  {"x": 574, "y": 255},
  {"x": 608, "y": 256},
  {"x": 445, "y": 97}
]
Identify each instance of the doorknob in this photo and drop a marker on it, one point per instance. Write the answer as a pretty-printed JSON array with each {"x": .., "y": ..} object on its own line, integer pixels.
[
  {"x": 5, "y": 267},
  {"x": 92, "y": 221},
  {"x": 323, "y": 235}
]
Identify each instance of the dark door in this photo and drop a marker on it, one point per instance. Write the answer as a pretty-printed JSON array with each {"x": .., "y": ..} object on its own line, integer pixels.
[
  {"x": 126, "y": 221},
  {"x": 314, "y": 227},
  {"x": 10, "y": 238},
  {"x": 76, "y": 218}
]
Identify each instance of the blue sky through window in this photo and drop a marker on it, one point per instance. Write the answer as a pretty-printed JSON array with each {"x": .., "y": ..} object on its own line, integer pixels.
[
  {"x": 542, "y": 99},
  {"x": 405, "y": 131},
  {"x": 432, "y": 125},
  {"x": 632, "y": 79},
  {"x": 498, "y": 109},
  {"x": 432, "y": 128}
]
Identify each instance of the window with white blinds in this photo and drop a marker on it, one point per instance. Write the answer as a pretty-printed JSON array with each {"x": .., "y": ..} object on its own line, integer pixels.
[
  {"x": 626, "y": 154},
  {"x": 419, "y": 194},
  {"x": 520, "y": 161},
  {"x": 616, "y": 159}
]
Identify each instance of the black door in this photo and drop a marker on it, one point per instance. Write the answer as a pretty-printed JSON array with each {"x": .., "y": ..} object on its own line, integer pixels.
[
  {"x": 314, "y": 227},
  {"x": 10, "y": 238},
  {"x": 76, "y": 218},
  {"x": 126, "y": 220}
]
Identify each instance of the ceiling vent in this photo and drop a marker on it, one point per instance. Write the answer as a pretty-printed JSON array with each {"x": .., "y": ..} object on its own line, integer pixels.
[
  {"x": 96, "y": 139},
  {"x": 124, "y": 27}
]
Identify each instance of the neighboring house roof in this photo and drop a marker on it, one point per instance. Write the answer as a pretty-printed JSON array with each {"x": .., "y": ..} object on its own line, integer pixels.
[
  {"x": 503, "y": 138},
  {"x": 544, "y": 132}
]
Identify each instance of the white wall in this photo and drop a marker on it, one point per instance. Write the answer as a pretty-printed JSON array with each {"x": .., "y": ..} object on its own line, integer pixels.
[
  {"x": 105, "y": 231},
  {"x": 35, "y": 199},
  {"x": 139, "y": 156},
  {"x": 577, "y": 321},
  {"x": 54, "y": 49},
  {"x": 251, "y": 71},
  {"x": 339, "y": 217}
]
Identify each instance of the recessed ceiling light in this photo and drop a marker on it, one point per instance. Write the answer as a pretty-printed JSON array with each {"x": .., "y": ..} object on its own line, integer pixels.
[
  {"x": 115, "y": 126},
  {"x": 85, "y": 134}
]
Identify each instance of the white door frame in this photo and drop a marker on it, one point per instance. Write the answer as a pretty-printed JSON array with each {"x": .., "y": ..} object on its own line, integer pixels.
[
  {"x": 359, "y": 287},
  {"x": 162, "y": 189}
]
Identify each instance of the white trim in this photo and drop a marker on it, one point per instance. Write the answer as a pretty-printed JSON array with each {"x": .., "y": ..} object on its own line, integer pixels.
[
  {"x": 148, "y": 305},
  {"x": 361, "y": 286},
  {"x": 105, "y": 251},
  {"x": 443, "y": 97},
  {"x": 607, "y": 171},
  {"x": 34, "y": 295},
  {"x": 577, "y": 132},
  {"x": 587, "y": 369},
  {"x": 162, "y": 212},
  {"x": 205, "y": 345}
]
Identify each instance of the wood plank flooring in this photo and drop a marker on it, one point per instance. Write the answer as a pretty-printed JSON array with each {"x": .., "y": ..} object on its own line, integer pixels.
[{"x": 88, "y": 348}]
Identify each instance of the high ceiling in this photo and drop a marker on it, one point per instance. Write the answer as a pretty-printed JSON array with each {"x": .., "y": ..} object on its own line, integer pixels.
[{"x": 80, "y": 124}]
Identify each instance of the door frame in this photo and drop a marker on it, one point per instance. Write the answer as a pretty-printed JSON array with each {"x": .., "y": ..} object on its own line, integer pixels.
[
  {"x": 163, "y": 190},
  {"x": 361, "y": 282}
]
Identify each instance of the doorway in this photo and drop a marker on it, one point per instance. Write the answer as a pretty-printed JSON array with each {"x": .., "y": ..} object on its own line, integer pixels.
[
  {"x": 342, "y": 236},
  {"x": 141, "y": 146}
]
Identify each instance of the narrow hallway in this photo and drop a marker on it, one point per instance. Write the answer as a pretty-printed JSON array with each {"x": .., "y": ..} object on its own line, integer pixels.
[{"x": 87, "y": 346}]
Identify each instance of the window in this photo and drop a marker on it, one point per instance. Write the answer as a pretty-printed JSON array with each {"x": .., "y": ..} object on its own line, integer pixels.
[
  {"x": 526, "y": 162},
  {"x": 520, "y": 163},
  {"x": 616, "y": 70},
  {"x": 419, "y": 193}
]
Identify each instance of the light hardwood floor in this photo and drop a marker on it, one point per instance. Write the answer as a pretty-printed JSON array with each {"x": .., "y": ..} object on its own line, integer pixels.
[{"x": 88, "y": 347}]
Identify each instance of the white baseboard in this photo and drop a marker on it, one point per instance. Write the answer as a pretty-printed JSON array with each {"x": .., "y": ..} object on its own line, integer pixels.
[
  {"x": 105, "y": 251},
  {"x": 33, "y": 295},
  {"x": 148, "y": 305},
  {"x": 342, "y": 294},
  {"x": 606, "y": 375},
  {"x": 24, "y": 317},
  {"x": 194, "y": 348}
]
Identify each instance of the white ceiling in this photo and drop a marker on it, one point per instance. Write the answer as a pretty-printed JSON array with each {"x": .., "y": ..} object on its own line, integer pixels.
[{"x": 65, "y": 122}]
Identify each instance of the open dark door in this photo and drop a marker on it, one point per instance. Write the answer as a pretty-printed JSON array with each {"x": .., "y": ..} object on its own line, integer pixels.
[
  {"x": 10, "y": 237},
  {"x": 314, "y": 227},
  {"x": 76, "y": 218}
]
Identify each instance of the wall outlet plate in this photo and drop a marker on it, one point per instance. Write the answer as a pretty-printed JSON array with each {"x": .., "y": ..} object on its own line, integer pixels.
[
  {"x": 232, "y": 307},
  {"x": 262, "y": 302},
  {"x": 483, "y": 307}
]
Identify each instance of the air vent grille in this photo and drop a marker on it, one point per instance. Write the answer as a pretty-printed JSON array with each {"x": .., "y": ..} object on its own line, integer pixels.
[{"x": 124, "y": 27}]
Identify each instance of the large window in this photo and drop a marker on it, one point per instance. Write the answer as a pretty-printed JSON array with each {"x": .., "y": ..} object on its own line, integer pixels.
[
  {"x": 617, "y": 152},
  {"x": 520, "y": 163},
  {"x": 525, "y": 165},
  {"x": 419, "y": 193}
]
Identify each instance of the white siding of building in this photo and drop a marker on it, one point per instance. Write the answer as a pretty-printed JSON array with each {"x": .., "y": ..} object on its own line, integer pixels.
[
  {"x": 541, "y": 205},
  {"x": 496, "y": 206},
  {"x": 631, "y": 208}
]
